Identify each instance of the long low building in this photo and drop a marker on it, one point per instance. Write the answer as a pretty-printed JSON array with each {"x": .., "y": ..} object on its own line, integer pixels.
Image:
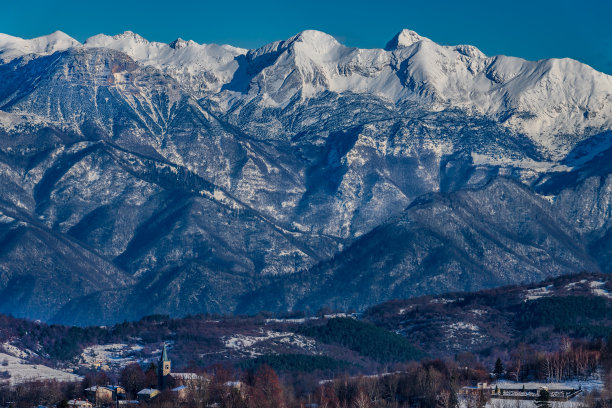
[{"x": 522, "y": 391}]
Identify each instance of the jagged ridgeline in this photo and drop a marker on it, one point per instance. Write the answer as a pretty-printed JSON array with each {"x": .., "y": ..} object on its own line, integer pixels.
[{"x": 139, "y": 177}]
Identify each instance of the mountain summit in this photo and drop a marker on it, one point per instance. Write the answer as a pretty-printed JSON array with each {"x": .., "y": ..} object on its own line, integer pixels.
[
  {"x": 403, "y": 39},
  {"x": 142, "y": 177},
  {"x": 13, "y": 47}
]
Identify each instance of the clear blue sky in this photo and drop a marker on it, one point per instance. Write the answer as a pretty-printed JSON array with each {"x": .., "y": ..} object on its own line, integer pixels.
[{"x": 531, "y": 29}]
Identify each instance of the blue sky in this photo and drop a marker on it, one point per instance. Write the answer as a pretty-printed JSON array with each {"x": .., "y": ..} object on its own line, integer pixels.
[{"x": 532, "y": 29}]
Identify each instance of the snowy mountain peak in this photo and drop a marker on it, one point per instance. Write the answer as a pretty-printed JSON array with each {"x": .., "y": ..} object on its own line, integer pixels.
[
  {"x": 469, "y": 51},
  {"x": 180, "y": 43},
  {"x": 309, "y": 43},
  {"x": 315, "y": 38},
  {"x": 129, "y": 35},
  {"x": 59, "y": 37},
  {"x": 123, "y": 42},
  {"x": 13, "y": 47},
  {"x": 307, "y": 46},
  {"x": 403, "y": 39}
]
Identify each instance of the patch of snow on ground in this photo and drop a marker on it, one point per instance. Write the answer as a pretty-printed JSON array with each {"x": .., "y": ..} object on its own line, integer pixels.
[
  {"x": 602, "y": 292},
  {"x": 296, "y": 321},
  {"x": 537, "y": 166},
  {"x": 21, "y": 371},
  {"x": 537, "y": 293},
  {"x": 595, "y": 288},
  {"x": 500, "y": 403},
  {"x": 17, "y": 352},
  {"x": 403, "y": 310},
  {"x": 335, "y": 315},
  {"x": 466, "y": 331},
  {"x": 464, "y": 326},
  {"x": 443, "y": 300},
  {"x": 574, "y": 284},
  {"x": 254, "y": 346},
  {"x": 595, "y": 384},
  {"x": 111, "y": 355}
]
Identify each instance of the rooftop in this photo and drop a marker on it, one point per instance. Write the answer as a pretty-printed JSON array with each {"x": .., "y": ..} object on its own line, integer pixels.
[{"x": 147, "y": 391}]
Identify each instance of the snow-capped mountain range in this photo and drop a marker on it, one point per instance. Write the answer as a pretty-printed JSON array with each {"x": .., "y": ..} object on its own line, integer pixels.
[
  {"x": 538, "y": 98},
  {"x": 189, "y": 177}
]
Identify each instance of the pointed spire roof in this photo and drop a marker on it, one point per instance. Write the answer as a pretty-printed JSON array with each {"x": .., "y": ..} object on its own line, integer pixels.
[{"x": 164, "y": 355}]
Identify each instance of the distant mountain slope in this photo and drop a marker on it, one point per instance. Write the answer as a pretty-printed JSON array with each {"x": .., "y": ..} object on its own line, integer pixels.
[
  {"x": 494, "y": 321},
  {"x": 466, "y": 240},
  {"x": 42, "y": 271},
  {"x": 185, "y": 178}
]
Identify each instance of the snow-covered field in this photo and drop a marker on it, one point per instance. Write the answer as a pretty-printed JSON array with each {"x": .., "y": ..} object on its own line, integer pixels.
[
  {"x": 444, "y": 300},
  {"x": 465, "y": 330},
  {"x": 498, "y": 403},
  {"x": 110, "y": 355},
  {"x": 290, "y": 320},
  {"x": 597, "y": 290},
  {"x": 21, "y": 371},
  {"x": 537, "y": 293},
  {"x": 16, "y": 351},
  {"x": 256, "y": 345}
]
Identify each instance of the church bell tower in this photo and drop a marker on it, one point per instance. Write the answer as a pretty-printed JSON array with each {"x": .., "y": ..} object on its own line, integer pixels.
[{"x": 163, "y": 368}]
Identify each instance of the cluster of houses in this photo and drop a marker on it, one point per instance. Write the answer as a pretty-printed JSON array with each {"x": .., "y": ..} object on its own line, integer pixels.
[{"x": 116, "y": 394}]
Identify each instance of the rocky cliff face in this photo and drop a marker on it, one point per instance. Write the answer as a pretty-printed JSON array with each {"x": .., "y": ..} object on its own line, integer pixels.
[{"x": 142, "y": 177}]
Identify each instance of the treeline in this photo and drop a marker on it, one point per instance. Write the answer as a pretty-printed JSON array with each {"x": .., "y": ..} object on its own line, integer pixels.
[
  {"x": 366, "y": 339},
  {"x": 193, "y": 334},
  {"x": 562, "y": 311},
  {"x": 429, "y": 384},
  {"x": 57, "y": 342},
  {"x": 46, "y": 393},
  {"x": 506, "y": 317},
  {"x": 575, "y": 360}
]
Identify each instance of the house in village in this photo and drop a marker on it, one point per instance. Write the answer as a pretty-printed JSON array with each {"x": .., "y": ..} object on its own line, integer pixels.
[
  {"x": 234, "y": 384},
  {"x": 100, "y": 395},
  {"x": 147, "y": 394},
  {"x": 73, "y": 403}
]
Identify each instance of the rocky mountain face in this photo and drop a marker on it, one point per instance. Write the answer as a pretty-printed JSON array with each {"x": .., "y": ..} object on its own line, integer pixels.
[{"x": 141, "y": 177}]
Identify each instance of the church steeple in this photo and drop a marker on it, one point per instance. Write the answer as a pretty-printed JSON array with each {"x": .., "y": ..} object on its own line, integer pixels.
[
  {"x": 164, "y": 354},
  {"x": 163, "y": 369}
]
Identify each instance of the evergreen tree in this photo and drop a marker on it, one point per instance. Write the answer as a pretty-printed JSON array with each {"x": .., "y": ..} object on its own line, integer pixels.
[
  {"x": 499, "y": 369},
  {"x": 543, "y": 399}
]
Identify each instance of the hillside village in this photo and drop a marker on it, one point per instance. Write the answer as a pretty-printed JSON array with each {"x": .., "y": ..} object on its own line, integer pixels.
[
  {"x": 170, "y": 386},
  {"x": 428, "y": 384},
  {"x": 548, "y": 339},
  {"x": 177, "y": 383}
]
